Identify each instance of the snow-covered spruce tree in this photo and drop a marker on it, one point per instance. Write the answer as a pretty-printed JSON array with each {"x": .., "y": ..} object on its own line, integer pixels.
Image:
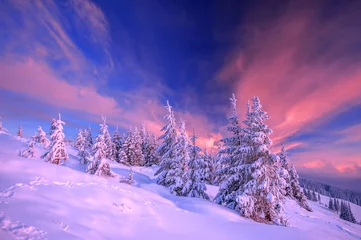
[
  {"x": 130, "y": 179},
  {"x": 167, "y": 151},
  {"x": 107, "y": 139},
  {"x": 297, "y": 192},
  {"x": 83, "y": 150},
  {"x": 124, "y": 154},
  {"x": 100, "y": 166},
  {"x": 117, "y": 141},
  {"x": 330, "y": 205},
  {"x": 79, "y": 140},
  {"x": 144, "y": 139},
  {"x": 230, "y": 159},
  {"x": 57, "y": 150},
  {"x": 335, "y": 206},
  {"x": 258, "y": 194},
  {"x": 180, "y": 162},
  {"x": 89, "y": 137},
  {"x": 100, "y": 147},
  {"x": 151, "y": 157},
  {"x": 195, "y": 180},
  {"x": 30, "y": 152},
  {"x": 209, "y": 167},
  {"x": 20, "y": 131},
  {"x": 284, "y": 164},
  {"x": 137, "y": 158},
  {"x": 52, "y": 126},
  {"x": 40, "y": 137}
]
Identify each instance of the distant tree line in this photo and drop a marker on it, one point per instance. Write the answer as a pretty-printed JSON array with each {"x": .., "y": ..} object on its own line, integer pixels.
[{"x": 331, "y": 191}]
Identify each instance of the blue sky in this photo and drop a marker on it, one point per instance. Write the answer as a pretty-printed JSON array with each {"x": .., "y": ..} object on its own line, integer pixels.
[{"x": 124, "y": 59}]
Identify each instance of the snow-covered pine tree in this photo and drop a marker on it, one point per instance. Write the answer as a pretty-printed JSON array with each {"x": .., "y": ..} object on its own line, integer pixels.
[
  {"x": 100, "y": 148},
  {"x": 351, "y": 216},
  {"x": 53, "y": 126},
  {"x": 144, "y": 138},
  {"x": 107, "y": 139},
  {"x": 20, "y": 131},
  {"x": 125, "y": 154},
  {"x": 167, "y": 151},
  {"x": 30, "y": 152},
  {"x": 41, "y": 137},
  {"x": 83, "y": 150},
  {"x": 330, "y": 205},
  {"x": 57, "y": 150},
  {"x": 137, "y": 157},
  {"x": 259, "y": 194},
  {"x": 335, "y": 206},
  {"x": 179, "y": 164},
  {"x": 89, "y": 137},
  {"x": 230, "y": 160},
  {"x": 293, "y": 181},
  {"x": 195, "y": 179},
  {"x": 130, "y": 179},
  {"x": 314, "y": 197},
  {"x": 209, "y": 167},
  {"x": 100, "y": 167},
  {"x": 79, "y": 140},
  {"x": 151, "y": 157},
  {"x": 319, "y": 197},
  {"x": 117, "y": 141},
  {"x": 284, "y": 165}
]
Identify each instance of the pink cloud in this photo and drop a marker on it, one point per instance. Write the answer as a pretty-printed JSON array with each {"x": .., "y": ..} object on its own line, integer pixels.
[
  {"x": 37, "y": 80},
  {"x": 350, "y": 135},
  {"x": 298, "y": 86}
]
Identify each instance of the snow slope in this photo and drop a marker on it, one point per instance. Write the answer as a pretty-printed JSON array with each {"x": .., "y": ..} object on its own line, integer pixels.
[{"x": 39, "y": 200}]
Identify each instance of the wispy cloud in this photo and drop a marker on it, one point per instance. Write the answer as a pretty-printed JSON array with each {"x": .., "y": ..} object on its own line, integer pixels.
[{"x": 300, "y": 66}]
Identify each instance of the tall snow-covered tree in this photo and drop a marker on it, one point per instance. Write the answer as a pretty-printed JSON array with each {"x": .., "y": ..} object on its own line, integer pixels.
[
  {"x": 255, "y": 189},
  {"x": 117, "y": 141},
  {"x": 284, "y": 165},
  {"x": 83, "y": 150},
  {"x": 167, "y": 151},
  {"x": 330, "y": 205},
  {"x": 180, "y": 162},
  {"x": 335, "y": 206},
  {"x": 136, "y": 148},
  {"x": 40, "y": 137},
  {"x": 30, "y": 152},
  {"x": 20, "y": 131},
  {"x": 79, "y": 139},
  {"x": 228, "y": 156},
  {"x": 210, "y": 167},
  {"x": 100, "y": 147},
  {"x": 297, "y": 192},
  {"x": 57, "y": 150},
  {"x": 107, "y": 139},
  {"x": 151, "y": 156},
  {"x": 89, "y": 137},
  {"x": 195, "y": 180}
]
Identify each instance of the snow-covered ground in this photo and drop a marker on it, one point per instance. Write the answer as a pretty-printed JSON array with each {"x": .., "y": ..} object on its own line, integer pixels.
[{"x": 39, "y": 200}]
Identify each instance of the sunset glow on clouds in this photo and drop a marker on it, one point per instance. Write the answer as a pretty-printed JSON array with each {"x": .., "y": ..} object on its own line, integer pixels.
[{"x": 125, "y": 60}]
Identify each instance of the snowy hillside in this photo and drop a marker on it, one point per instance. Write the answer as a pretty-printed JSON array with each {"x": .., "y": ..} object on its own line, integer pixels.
[{"x": 40, "y": 200}]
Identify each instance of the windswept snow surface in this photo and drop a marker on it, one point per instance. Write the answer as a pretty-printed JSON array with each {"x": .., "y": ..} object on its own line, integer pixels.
[{"x": 40, "y": 200}]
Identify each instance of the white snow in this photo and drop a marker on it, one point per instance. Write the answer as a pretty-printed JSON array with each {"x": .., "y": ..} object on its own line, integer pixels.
[{"x": 40, "y": 200}]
